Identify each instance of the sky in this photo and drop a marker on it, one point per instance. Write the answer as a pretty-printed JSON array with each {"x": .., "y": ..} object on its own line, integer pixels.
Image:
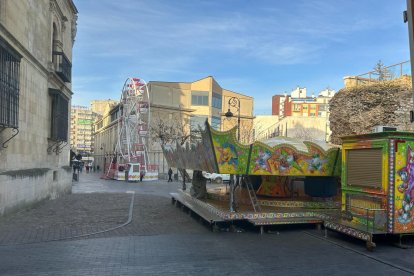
[{"x": 255, "y": 47}]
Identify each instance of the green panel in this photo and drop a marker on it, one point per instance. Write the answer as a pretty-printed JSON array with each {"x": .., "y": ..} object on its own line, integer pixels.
[
  {"x": 84, "y": 122},
  {"x": 232, "y": 157}
]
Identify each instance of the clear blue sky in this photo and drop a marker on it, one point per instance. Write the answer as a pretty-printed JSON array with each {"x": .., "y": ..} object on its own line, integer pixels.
[{"x": 258, "y": 48}]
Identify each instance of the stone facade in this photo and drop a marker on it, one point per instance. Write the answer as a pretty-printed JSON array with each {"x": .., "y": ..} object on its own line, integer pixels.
[{"x": 34, "y": 164}]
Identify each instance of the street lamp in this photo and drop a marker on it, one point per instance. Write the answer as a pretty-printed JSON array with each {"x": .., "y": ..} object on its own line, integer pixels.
[{"x": 234, "y": 102}]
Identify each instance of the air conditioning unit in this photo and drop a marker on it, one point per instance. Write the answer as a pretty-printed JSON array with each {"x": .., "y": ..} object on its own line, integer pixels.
[{"x": 383, "y": 128}]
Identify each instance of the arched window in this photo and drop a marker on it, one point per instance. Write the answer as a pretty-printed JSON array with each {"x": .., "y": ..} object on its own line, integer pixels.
[
  {"x": 61, "y": 64},
  {"x": 54, "y": 42}
]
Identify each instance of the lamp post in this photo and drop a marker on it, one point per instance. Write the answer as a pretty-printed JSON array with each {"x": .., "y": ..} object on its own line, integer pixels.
[{"x": 233, "y": 102}]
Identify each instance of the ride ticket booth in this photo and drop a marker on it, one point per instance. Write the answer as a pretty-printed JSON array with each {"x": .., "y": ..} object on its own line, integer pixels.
[{"x": 377, "y": 186}]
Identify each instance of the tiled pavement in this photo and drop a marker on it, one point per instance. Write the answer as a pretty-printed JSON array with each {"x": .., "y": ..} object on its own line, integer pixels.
[{"x": 164, "y": 240}]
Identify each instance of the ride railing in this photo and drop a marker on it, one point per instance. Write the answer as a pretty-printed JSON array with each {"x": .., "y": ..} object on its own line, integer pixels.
[{"x": 371, "y": 220}]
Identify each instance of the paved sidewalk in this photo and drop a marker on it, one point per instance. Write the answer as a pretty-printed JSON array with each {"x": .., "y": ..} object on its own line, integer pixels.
[
  {"x": 85, "y": 213},
  {"x": 163, "y": 240}
]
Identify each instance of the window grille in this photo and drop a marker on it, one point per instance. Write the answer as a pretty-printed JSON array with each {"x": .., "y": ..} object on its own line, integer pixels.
[
  {"x": 9, "y": 85},
  {"x": 60, "y": 111}
]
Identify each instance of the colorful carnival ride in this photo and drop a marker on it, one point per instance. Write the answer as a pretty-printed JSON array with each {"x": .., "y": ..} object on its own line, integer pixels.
[
  {"x": 130, "y": 159},
  {"x": 362, "y": 189}
]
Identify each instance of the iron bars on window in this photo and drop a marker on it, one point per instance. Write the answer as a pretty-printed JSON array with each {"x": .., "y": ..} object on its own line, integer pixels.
[{"x": 9, "y": 85}]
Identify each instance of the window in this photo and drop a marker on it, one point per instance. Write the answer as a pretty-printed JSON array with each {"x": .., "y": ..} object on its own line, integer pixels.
[
  {"x": 199, "y": 98},
  {"x": 296, "y": 107},
  {"x": 217, "y": 101},
  {"x": 114, "y": 116},
  {"x": 196, "y": 122},
  {"x": 322, "y": 107},
  {"x": 9, "y": 85},
  {"x": 60, "y": 111},
  {"x": 100, "y": 125},
  {"x": 216, "y": 122}
]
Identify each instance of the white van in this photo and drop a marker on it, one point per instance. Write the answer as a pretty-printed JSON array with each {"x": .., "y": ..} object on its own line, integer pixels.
[{"x": 217, "y": 178}]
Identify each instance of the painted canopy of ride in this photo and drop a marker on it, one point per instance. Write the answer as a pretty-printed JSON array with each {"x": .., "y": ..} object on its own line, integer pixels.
[{"x": 220, "y": 152}]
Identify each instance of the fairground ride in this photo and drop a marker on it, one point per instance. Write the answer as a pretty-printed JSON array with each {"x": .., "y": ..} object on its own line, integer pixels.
[{"x": 130, "y": 159}]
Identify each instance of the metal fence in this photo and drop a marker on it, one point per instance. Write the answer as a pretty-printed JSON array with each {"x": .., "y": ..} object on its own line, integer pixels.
[{"x": 387, "y": 73}]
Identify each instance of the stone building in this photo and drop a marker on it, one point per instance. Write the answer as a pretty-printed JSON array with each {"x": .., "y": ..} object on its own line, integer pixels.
[
  {"x": 36, "y": 40},
  {"x": 185, "y": 105}
]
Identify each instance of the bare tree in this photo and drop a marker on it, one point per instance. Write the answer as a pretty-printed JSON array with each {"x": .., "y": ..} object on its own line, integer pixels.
[
  {"x": 382, "y": 72},
  {"x": 306, "y": 134},
  {"x": 246, "y": 132}
]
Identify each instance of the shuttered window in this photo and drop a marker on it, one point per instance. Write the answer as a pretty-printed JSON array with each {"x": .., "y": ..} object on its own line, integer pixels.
[
  {"x": 60, "y": 111},
  {"x": 364, "y": 167}
]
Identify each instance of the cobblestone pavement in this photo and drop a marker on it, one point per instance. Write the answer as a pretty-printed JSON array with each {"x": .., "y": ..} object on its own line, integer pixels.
[
  {"x": 161, "y": 239},
  {"x": 291, "y": 253}
]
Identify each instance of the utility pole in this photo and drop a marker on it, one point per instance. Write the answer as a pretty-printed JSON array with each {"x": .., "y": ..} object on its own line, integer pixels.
[{"x": 408, "y": 17}]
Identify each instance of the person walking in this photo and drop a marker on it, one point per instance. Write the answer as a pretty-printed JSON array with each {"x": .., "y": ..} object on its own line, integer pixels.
[{"x": 170, "y": 172}]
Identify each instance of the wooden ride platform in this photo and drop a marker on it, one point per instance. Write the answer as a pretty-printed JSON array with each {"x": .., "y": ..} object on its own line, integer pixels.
[
  {"x": 196, "y": 207},
  {"x": 214, "y": 210}
]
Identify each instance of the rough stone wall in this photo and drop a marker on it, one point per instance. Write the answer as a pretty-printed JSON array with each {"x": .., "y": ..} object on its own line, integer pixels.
[
  {"x": 21, "y": 188},
  {"x": 356, "y": 110}
]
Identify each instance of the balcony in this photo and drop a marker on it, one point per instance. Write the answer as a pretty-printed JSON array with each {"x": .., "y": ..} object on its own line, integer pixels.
[{"x": 63, "y": 67}]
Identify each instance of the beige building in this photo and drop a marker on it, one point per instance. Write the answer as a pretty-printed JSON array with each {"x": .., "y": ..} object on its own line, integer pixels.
[
  {"x": 101, "y": 107},
  {"x": 81, "y": 121},
  {"x": 184, "y": 106},
  {"x": 36, "y": 40}
]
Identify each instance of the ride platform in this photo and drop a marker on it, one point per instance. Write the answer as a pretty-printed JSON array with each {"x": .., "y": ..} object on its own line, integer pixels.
[{"x": 215, "y": 209}]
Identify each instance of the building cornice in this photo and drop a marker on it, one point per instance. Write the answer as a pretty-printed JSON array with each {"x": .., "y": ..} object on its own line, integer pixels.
[{"x": 175, "y": 108}]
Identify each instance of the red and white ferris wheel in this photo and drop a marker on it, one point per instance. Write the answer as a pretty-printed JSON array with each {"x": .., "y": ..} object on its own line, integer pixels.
[{"x": 133, "y": 123}]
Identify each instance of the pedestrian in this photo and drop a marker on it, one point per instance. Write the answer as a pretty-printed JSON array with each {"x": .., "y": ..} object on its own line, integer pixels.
[
  {"x": 97, "y": 168},
  {"x": 170, "y": 172},
  {"x": 141, "y": 175}
]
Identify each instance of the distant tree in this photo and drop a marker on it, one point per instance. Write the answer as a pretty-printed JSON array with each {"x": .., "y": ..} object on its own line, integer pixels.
[
  {"x": 172, "y": 130},
  {"x": 382, "y": 72}
]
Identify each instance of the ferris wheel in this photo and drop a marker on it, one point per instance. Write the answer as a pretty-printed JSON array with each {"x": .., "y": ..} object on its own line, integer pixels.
[{"x": 133, "y": 124}]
